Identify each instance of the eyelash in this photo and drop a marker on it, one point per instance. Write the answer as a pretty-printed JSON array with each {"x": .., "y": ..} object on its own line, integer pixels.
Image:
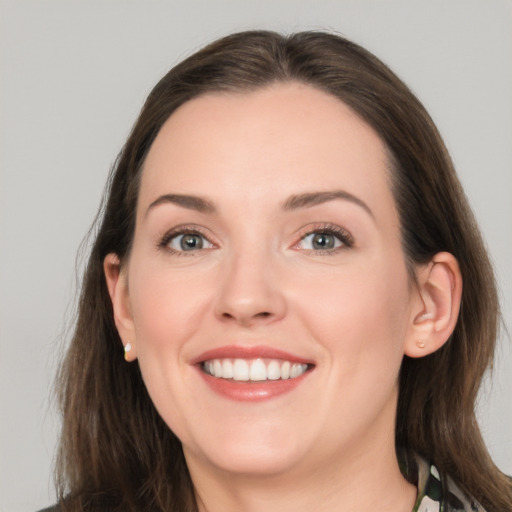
[
  {"x": 181, "y": 231},
  {"x": 339, "y": 233}
]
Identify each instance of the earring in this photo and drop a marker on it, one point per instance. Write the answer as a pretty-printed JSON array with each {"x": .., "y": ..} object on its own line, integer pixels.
[
  {"x": 127, "y": 349},
  {"x": 420, "y": 343}
]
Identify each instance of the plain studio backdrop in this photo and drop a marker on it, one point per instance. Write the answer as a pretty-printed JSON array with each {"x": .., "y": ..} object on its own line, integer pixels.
[{"x": 73, "y": 78}]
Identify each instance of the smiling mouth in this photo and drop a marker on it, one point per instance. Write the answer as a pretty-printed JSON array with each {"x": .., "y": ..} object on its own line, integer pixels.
[{"x": 253, "y": 370}]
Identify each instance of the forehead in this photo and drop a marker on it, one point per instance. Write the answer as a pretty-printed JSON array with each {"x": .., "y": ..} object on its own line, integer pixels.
[{"x": 285, "y": 138}]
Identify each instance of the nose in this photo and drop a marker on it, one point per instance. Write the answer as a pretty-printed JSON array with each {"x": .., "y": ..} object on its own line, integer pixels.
[{"x": 250, "y": 291}]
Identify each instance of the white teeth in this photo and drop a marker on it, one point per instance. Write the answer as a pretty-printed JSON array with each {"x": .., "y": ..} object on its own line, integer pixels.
[
  {"x": 295, "y": 371},
  {"x": 285, "y": 370},
  {"x": 240, "y": 370},
  {"x": 217, "y": 368},
  {"x": 273, "y": 371},
  {"x": 256, "y": 370},
  {"x": 227, "y": 369}
]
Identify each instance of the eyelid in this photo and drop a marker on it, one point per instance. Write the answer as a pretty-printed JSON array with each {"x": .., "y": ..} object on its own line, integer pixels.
[
  {"x": 340, "y": 233},
  {"x": 184, "y": 229}
]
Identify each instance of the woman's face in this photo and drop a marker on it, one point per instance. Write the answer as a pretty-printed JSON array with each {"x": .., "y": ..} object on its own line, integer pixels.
[{"x": 267, "y": 297}]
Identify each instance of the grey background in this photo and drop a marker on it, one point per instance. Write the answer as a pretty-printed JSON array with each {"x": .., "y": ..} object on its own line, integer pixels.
[{"x": 73, "y": 76}]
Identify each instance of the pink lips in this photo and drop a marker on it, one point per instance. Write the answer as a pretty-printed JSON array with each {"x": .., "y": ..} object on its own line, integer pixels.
[
  {"x": 249, "y": 391},
  {"x": 238, "y": 351}
]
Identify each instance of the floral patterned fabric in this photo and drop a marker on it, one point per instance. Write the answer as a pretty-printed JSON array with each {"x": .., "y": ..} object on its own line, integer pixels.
[{"x": 437, "y": 493}]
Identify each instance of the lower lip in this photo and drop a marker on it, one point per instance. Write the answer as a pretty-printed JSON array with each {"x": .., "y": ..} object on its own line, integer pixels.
[{"x": 247, "y": 391}]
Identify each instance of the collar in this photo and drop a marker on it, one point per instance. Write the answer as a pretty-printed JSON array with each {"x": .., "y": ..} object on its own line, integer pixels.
[{"x": 436, "y": 492}]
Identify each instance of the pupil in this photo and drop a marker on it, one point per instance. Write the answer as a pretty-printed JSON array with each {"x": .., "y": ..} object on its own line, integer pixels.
[
  {"x": 189, "y": 242},
  {"x": 323, "y": 241}
]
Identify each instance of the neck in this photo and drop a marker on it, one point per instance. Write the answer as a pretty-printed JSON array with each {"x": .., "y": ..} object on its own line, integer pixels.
[{"x": 352, "y": 481}]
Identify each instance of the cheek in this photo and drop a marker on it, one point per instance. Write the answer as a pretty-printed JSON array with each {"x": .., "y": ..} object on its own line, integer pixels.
[
  {"x": 360, "y": 315},
  {"x": 165, "y": 307}
]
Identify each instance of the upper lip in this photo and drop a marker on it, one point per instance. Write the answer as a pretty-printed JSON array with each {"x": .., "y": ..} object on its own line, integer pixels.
[{"x": 249, "y": 352}]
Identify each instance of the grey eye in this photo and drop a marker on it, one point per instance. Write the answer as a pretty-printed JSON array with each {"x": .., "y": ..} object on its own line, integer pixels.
[
  {"x": 188, "y": 242},
  {"x": 320, "y": 241}
]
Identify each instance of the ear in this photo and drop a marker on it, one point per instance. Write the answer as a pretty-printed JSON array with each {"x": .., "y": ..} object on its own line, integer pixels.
[
  {"x": 435, "y": 314},
  {"x": 117, "y": 285}
]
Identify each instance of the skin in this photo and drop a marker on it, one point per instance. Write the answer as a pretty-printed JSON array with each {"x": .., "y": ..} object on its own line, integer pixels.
[{"x": 353, "y": 310}]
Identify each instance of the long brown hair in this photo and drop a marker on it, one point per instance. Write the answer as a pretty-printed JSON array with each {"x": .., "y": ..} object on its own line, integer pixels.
[{"x": 116, "y": 450}]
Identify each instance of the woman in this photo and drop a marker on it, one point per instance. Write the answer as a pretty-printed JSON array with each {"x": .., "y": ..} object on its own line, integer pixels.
[{"x": 288, "y": 263}]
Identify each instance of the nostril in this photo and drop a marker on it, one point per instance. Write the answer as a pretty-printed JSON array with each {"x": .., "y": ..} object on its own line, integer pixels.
[{"x": 247, "y": 318}]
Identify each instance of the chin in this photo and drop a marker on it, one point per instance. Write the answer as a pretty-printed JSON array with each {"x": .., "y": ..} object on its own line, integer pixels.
[
  {"x": 251, "y": 457},
  {"x": 255, "y": 464}
]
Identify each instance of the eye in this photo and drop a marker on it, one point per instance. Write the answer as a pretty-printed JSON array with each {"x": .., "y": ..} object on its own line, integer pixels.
[
  {"x": 327, "y": 239},
  {"x": 320, "y": 241},
  {"x": 185, "y": 241}
]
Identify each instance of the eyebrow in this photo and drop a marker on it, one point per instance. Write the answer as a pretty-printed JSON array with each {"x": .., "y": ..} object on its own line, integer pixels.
[
  {"x": 197, "y": 203},
  {"x": 309, "y": 199},
  {"x": 295, "y": 202}
]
